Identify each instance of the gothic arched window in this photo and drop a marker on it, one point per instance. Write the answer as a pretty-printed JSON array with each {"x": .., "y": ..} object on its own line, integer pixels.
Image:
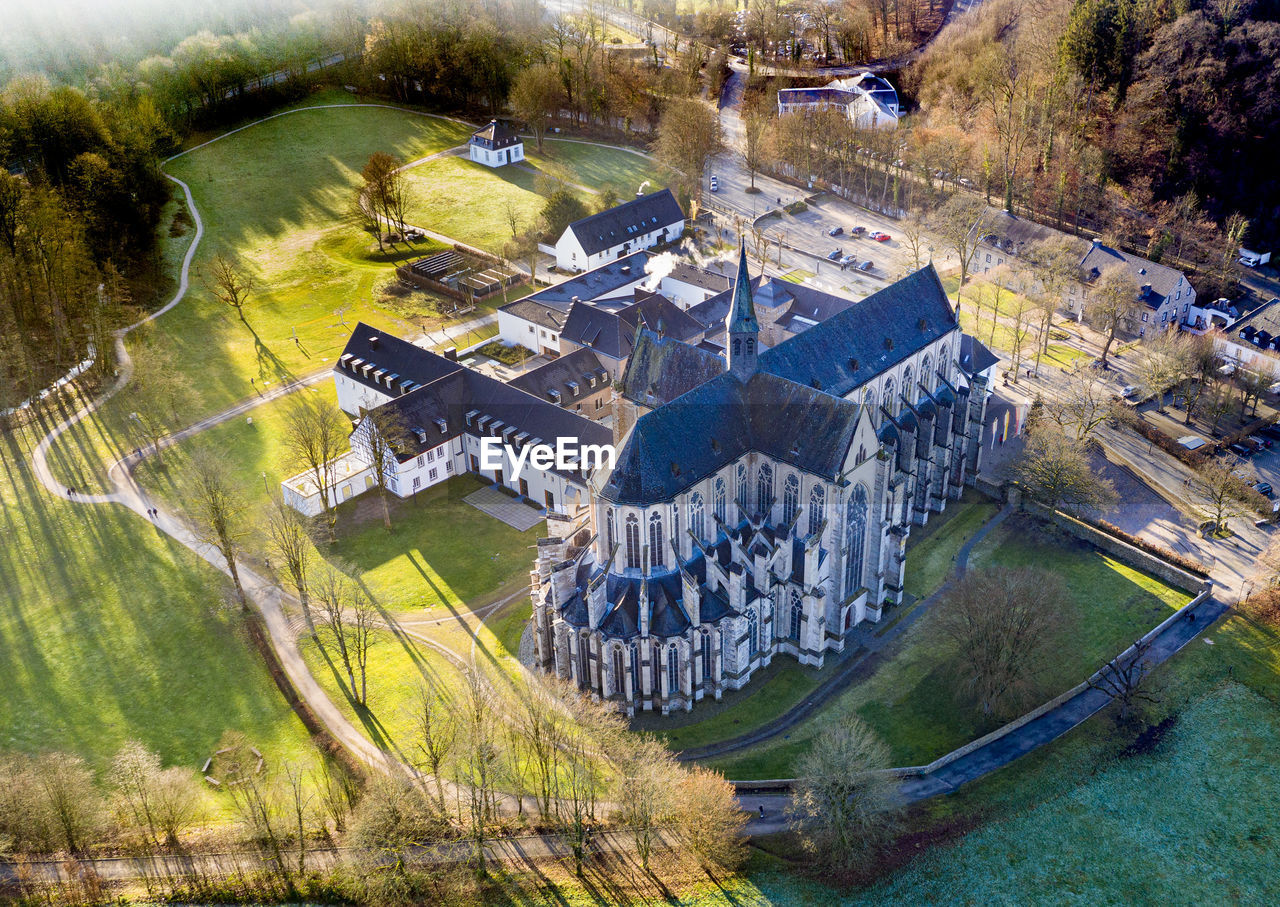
[
  {"x": 942, "y": 366},
  {"x": 740, "y": 493},
  {"x": 817, "y": 508},
  {"x": 609, "y": 536},
  {"x": 764, "y": 488},
  {"x": 908, "y": 389},
  {"x": 790, "y": 498},
  {"x": 635, "y": 669},
  {"x": 797, "y": 612},
  {"x": 856, "y": 537},
  {"x": 718, "y": 500},
  {"x": 633, "y": 542},
  {"x": 890, "y": 398},
  {"x": 926, "y": 374},
  {"x": 706, "y": 655},
  {"x": 695, "y": 515},
  {"x": 584, "y": 662},
  {"x": 869, "y": 401},
  {"x": 673, "y": 670},
  {"x": 656, "y": 539},
  {"x": 753, "y": 634},
  {"x": 619, "y": 685}
]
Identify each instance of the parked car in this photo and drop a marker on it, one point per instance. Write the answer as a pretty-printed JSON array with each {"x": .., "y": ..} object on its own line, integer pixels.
[
  {"x": 1258, "y": 445},
  {"x": 866, "y": 265},
  {"x": 879, "y": 237},
  {"x": 1240, "y": 450},
  {"x": 857, "y": 231},
  {"x": 847, "y": 260},
  {"x": 1264, "y": 489},
  {"x": 1272, "y": 432},
  {"x": 1129, "y": 390},
  {"x": 835, "y": 231},
  {"x": 834, "y": 254},
  {"x": 715, "y": 184},
  {"x": 966, "y": 182}
]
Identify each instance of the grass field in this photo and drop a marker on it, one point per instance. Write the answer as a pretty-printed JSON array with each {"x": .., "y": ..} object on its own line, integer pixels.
[
  {"x": 931, "y": 550},
  {"x": 1187, "y": 823},
  {"x": 909, "y": 699},
  {"x": 469, "y": 201},
  {"x": 111, "y": 632}
]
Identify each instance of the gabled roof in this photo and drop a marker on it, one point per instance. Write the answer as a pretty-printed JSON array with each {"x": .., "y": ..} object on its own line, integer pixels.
[
  {"x": 853, "y": 346},
  {"x": 975, "y": 358},
  {"x": 702, "y": 431},
  {"x": 661, "y": 369},
  {"x": 1162, "y": 280},
  {"x": 580, "y": 367},
  {"x": 626, "y": 222},
  {"x": 600, "y": 330},
  {"x": 497, "y": 134},
  {"x": 699, "y": 277},
  {"x": 537, "y": 313},
  {"x": 661, "y": 314},
  {"x": 389, "y": 357}
]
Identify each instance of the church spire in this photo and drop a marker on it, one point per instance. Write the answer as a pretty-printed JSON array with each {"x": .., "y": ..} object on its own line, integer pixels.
[{"x": 743, "y": 330}]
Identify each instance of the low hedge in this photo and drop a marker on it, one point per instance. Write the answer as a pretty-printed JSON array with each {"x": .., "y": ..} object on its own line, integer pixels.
[{"x": 507, "y": 355}]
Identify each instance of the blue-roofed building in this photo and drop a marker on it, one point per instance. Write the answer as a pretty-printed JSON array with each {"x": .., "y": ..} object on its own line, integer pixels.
[
  {"x": 868, "y": 100},
  {"x": 760, "y": 503}
]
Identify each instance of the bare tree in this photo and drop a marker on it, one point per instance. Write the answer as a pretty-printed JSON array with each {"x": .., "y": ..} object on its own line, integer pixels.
[
  {"x": 1002, "y": 621},
  {"x": 337, "y": 789},
  {"x": 645, "y": 790},
  {"x": 541, "y": 723},
  {"x": 1225, "y": 493},
  {"x": 755, "y": 130},
  {"x": 1081, "y": 403},
  {"x": 161, "y": 395},
  {"x": 1202, "y": 370},
  {"x": 511, "y": 214},
  {"x": 381, "y": 434},
  {"x": 708, "y": 820},
  {"x": 1252, "y": 384},
  {"x": 688, "y": 136},
  {"x": 1056, "y": 471},
  {"x": 229, "y": 283},
  {"x": 1217, "y": 401},
  {"x": 476, "y": 761},
  {"x": 300, "y": 797},
  {"x": 1020, "y": 312},
  {"x": 315, "y": 436},
  {"x": 334, "y": 594},
  {"x": 1163, "y": 362},
  {"x": 247, "y": 778},
  {"x": 364, "y": 617},
  {"x": 436, "y": 732},
  {"x": 217, "y": 507},
  {"x": 1113, "y": 306},
  {"x": 844, "y": 803},
  {"x": 134, "y": 772},
  {"x": 1122, "y": 679},
  {"x": 289, "y": 541},
  {"x": 912, "y": 228},
  {"x": 959, "y": 223},
  {"x": 69, "y": 800}
]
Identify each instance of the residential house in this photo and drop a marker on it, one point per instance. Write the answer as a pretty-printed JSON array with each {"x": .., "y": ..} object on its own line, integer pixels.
[
  {"x": 868, "y": 100},
  {"x": 495, "y": 145}
]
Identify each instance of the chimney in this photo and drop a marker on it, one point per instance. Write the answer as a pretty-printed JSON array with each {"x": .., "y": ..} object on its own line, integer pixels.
[
  {"x": 373, "y": 342},
  {"x": 1097, "y": 241},
  {"x": 451, "y": 353}
]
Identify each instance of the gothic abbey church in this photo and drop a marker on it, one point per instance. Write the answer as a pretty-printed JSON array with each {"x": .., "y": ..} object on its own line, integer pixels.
[{"x": 761, "y": 508}]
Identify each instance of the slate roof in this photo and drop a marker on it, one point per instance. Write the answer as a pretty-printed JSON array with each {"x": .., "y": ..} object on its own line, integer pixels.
[
  {"x": 1016, "y": 235},
  {"x": 612, "y": 332},
  {"x": 1261, "y": 327},
  {"x": 974, "y": 355},
  {"x": 1162, "y": 280},
  {"x": 700, "y": 277},
  {"x": 389, "y": 357},
  {"x": 451, "y": 396},
  {"x": 495, "y": 134},
  {"x": 608, "y": 278},
  {"x": 580, "y": 367},
  {"x": 627, "y": 221},
  {"x": 714, "y": 424},
  {"x": 742, "y": 315},
  {"x": 536, "y": 313},
  {"x": 661, "y": 369},
  {"x": 862, "y": 341}
]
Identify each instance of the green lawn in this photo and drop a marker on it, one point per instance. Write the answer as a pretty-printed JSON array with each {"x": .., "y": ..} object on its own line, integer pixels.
[
  {"x": 275, "y": 197},
  {"x": 399, "y": 667},
  {"x": 111, "y": 632},
  {"x": 469, "y": 201},
  {"x": 1064, "y": 356},
  {"x": 931, "y": 550},
  {"x": 909, "y": 699},
  {"x": 1190, "y": 823}
]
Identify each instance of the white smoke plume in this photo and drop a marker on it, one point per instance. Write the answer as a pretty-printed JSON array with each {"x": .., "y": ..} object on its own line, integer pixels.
[{"x": 659, "y": 267}]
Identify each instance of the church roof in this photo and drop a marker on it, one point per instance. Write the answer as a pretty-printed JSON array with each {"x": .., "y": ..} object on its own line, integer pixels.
[
  {"x": 853, "y": 346},
  {"x": 714, "y": 424},
  {"x": 661, "y": 369}
]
